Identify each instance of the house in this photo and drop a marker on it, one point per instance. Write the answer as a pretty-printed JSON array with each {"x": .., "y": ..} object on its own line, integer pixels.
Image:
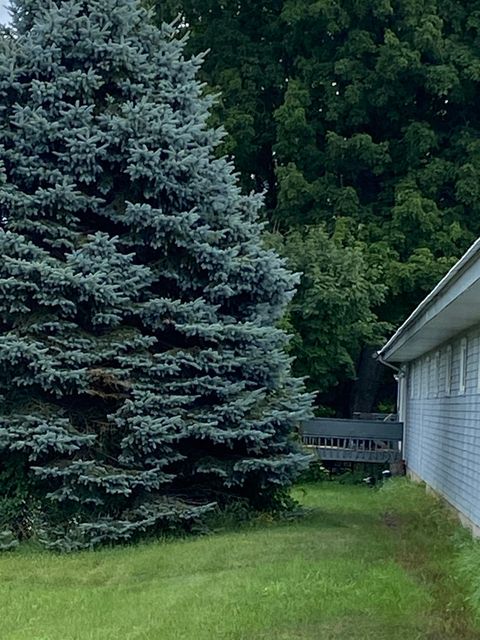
[{"x": 436, "y": 353}]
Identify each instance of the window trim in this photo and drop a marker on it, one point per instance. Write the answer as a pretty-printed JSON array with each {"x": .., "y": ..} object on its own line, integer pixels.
[
  {"x": 478, "y": 366},
  {"x": 436, "y": 374},
  {"x": 462, "y": 384},
  {"x": 428, "y": 372},
  {"x": 413, "y": 380},
  {"x": 448, "y": 369}
]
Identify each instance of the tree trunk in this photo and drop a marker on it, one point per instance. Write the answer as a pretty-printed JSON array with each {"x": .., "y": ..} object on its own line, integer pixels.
[{"x": 370, "y": 378}]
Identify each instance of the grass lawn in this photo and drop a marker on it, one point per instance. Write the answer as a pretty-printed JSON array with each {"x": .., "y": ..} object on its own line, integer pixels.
[{"x": 363, "y": 565}]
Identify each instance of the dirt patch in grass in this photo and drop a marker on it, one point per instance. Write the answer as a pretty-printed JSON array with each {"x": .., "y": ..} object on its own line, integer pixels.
[{"x": 391, "y": 520}]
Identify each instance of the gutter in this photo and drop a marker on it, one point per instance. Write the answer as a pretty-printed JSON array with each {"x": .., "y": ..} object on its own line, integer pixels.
[{"x": 378, "y": 356}]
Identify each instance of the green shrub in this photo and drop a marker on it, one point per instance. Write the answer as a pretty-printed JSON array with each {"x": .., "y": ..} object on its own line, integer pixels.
[
  {"x": 316, "y": 472},
  {"x": 15, "y": 520}
]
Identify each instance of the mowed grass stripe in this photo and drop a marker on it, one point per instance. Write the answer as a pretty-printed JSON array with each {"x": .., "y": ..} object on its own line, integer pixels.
[{"x": 345, "y": 571}]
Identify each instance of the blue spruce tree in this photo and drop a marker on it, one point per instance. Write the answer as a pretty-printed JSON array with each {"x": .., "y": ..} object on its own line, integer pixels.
[{"x": 142, "y": 376}]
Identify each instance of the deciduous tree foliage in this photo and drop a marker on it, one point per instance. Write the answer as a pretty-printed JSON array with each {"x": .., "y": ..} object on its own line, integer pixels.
[
  {"x": 331, "y": 315},
  {"x": 142, "y": 376},
  {"x": 365, "y": 112},
  {"x": 385, "y": 94}
]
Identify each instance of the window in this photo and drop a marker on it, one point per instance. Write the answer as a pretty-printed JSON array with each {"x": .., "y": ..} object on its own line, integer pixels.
[
  {"x": 420, "y": 379},
  {"x": 478, "y": 365},
  {"x": 423, "y": 382},
  {"x": 436, "y": 375},
  {"x": 428, "y": 378},
  {"x": 463, "y": 366},
  {"x": 448, "y": 369}
]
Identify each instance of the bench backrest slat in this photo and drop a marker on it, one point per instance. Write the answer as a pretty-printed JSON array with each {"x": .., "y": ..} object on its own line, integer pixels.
[{"x": 338, "y": 428}]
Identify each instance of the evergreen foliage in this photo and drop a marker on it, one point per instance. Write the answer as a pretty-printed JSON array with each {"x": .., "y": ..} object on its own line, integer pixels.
[
  {"x": 142, "y": 375},
  {"x": 245, "y": 61}
]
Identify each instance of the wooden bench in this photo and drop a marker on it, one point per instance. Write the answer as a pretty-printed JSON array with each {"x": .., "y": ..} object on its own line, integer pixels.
[{"x": 354, "y": 440}]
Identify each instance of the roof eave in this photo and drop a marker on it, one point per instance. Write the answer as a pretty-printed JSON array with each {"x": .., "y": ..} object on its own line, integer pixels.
[{"x": 414, "y": 322}]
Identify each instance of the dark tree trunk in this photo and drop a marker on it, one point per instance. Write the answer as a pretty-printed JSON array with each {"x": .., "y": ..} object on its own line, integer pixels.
[{"x": 370, "y": 379}]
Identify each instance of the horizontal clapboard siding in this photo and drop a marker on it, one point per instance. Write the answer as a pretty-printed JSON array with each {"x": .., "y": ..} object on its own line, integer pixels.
[{"x": 442, "y": 422}]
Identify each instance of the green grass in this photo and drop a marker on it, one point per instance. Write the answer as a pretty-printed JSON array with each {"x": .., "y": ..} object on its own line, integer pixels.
[{"x": 362, "y": 565}]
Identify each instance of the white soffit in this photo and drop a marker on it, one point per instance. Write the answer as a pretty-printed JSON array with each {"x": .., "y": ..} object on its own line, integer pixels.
[{"x": 452, "y": 307}]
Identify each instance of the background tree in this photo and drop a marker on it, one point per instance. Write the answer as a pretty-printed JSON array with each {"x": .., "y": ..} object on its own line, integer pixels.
[
  {"x": 372, "y": 120},
  {"x": 330, "y": 316},
  {"x": 141, "y": 372},
  {"x": 386, "y": 92},
  {"x": 244, "y": 65}
]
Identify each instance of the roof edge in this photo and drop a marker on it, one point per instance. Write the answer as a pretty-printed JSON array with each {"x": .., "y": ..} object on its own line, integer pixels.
[{"x": 471, "y": 255}]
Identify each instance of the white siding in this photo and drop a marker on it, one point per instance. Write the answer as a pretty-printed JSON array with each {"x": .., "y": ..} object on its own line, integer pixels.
[{"x": 442, "y": 422}]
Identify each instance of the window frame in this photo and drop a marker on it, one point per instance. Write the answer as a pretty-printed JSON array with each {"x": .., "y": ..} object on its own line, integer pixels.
[
  {"x": 428, "y": 372},
  {"x": 448, "y": 369},
  {"x": 413, "y": 380},
  {"x": 478, "y": 364},
  {"x": 462, "y": 382},
  {"x": 436, "y": 374}
]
